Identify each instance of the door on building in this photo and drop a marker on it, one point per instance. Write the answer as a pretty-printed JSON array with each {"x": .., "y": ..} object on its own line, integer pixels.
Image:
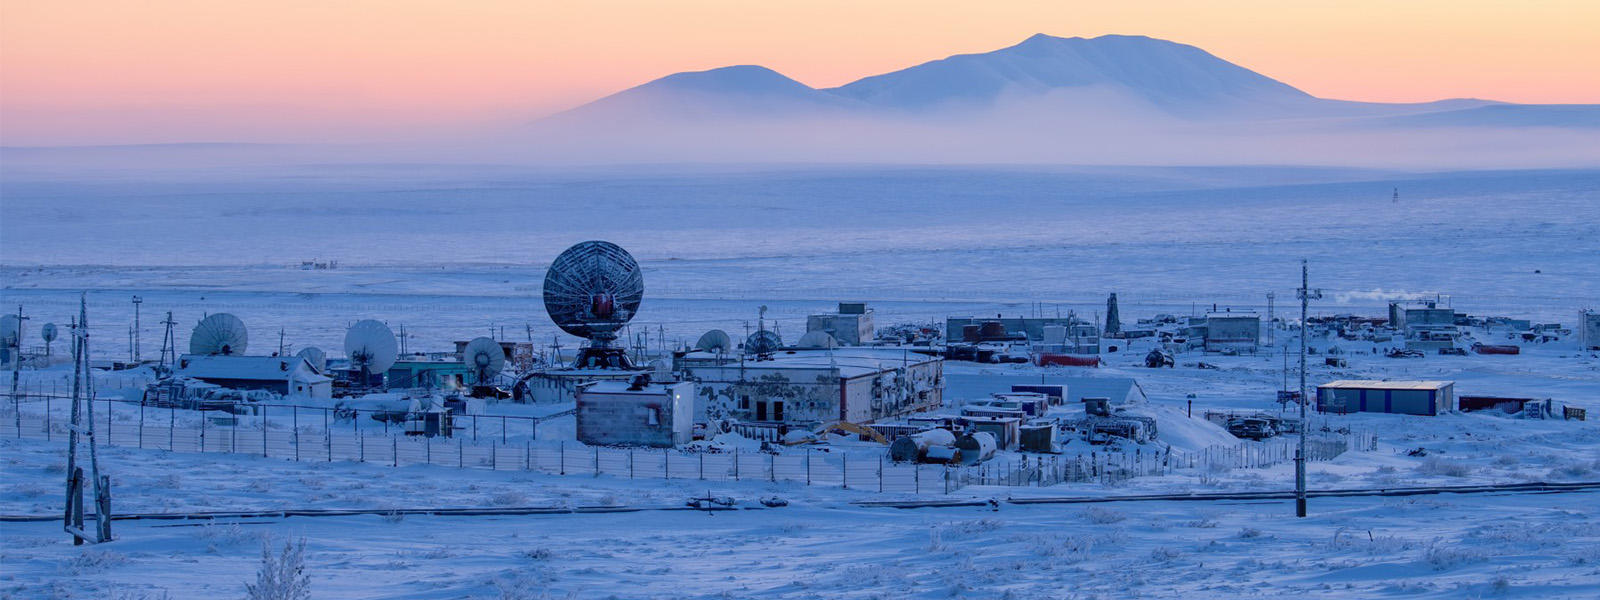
[{"x": 761, "y": 411}]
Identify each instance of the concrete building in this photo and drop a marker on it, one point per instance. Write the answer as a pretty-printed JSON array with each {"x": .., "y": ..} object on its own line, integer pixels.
[
  {"x": 851, "y": 326},
  {"x": 1401, "y": 397},
  {"x": 811, "y": 387},
  {"x": 1590, "y": 327},
  {"x": 1240, "y": 332},
  {"x": 1030, "y": 327},
  {"x": 636, "y": 413},
  {"x": 287, "y": 375}
]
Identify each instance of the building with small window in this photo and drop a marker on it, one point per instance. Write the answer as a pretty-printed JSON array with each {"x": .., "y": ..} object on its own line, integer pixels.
[
  {"x": 635, "y": 413},
  {"x": 851, "y": 326},
  {"x": 1238, "y": 332},
  {"x": 1400, "y": 397}
]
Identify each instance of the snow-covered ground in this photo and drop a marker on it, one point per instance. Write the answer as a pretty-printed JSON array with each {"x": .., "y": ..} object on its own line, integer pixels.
[{"x": 451, "y": 253}]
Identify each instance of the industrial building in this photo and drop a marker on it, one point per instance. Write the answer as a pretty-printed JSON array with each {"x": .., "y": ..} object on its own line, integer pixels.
[
  {"x": 851, "y": 326},
  {"x": 437, "y": 370},
  {"x": 287, "y": 375},
  {"x": 1401, "y": 397},
  {"x": 808, "y": 387},
  {"x": 636, "y": 413},
  {"x": 1427, "y": 326},
  {"x": 1229, "y": 331},
  {"x": 1028, "y": 328},
  {"x": 1071, "y": 390}
]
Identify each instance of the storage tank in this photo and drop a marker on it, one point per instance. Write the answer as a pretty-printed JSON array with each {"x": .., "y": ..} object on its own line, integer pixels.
[
  {"x": 914, "y": 447},
  {"x": 976, "y": 447}
]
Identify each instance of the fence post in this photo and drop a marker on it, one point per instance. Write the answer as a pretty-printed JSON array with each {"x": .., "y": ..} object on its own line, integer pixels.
[
  {"x": 263, "y": 431},
  {"x": 702, "y": 456},
  {"x": 880, "y": 473},
  {"x": 808, "y": 466},
  {"x": 202, "y": 432},
  {"x": 772, "y": 467},
  {"x": 562, "y": 456},
  {"x": 233, "y": 439},
  {"x": 394, "y": 450},
  {"x": 47, "y": 411},
  {"x": 916, "y": 477},
  {"x": 141, "y": 423},
  {"x": 630, "y": 463},
  {"x": 947, "y": 478},
  {"x": 502, "y": 430},
  {"x": 327, "y": 433},
  {"x": 474, "y": 428},
  {"x": 461, "y": 453},
  {"x": 844, "y": 470},
  {"x": 295, "y": 423},
  {"x": 494, "y": 456},
  {"x": 735, "y": 464},
  {"x": 596, "y": 461},
  {"x": 427, "y": 446},
  {"x": 666, "y": 463}
]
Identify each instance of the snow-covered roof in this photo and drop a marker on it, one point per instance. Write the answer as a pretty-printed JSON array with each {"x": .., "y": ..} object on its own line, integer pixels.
[
  {"x": 851, "y": 361},
  {"x": 1368, "y": 384},
  {"x": 624, "y": 387},
  {"x": 248, "y": 368}
]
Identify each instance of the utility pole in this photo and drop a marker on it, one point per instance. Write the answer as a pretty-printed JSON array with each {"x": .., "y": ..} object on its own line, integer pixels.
[
  {"x": 16, "y": 368},
  {"x": 280, "y": 341},
  {"x": 83, "y": 425},
  {"x": 1306, "y": 295},
  {"x": 1272, "y": 325},
  {"x": 137, "y": 340},
  {"x": 169, "y": 347}
]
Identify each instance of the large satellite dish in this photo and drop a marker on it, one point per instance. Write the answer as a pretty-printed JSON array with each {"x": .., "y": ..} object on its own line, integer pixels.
[
  {"x": 371, "y": 346},
  {"x": 592, "y": 290},
  {"x": 715, "y": 340},
  {"x": 48, "y": 332},
  {"x": 817, "y": 340},
  {"x": 221, "y": 333},
  {"x": 485, "y": 358},
  {"x": 315, "y": 357},
  {"x": 10, "y": 331},
  {"x": 763, "y": 341}
]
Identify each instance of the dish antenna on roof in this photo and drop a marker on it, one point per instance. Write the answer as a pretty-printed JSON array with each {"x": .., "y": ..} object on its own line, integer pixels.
[
  {"x": 485, "y": 358},
  {"x": 315, "y": 357},
  {"x": 592, "y": 290},
  {"x": 716, "y": 341},
  {"x": 48, "y": 332},
  {"x": 221, "y": 333},
  {"x": 372, "y": 348},
  {"x": 763, "y": 341}
]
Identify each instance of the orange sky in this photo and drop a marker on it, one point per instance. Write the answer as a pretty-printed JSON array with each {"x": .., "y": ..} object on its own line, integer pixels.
[{"x": 129, "y": 71}]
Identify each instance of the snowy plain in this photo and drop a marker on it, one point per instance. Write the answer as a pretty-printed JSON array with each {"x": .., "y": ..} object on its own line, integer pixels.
[{"x": 451, "y": 252}]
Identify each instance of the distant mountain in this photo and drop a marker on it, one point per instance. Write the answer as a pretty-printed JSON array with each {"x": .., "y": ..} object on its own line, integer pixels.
[
  {"x": 1176, "y": 77},
  {"x": 728, "y": 91}
]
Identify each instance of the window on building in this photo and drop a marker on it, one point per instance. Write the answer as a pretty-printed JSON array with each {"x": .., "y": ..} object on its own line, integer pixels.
[
  {"x": 777, "y": 410},
  {"x": 744, "y": 403}
]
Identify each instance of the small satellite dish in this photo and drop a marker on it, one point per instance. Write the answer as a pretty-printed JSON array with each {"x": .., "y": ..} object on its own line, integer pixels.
[
  {"x": 485, "y": 358},
  {"x": 817, "y": 340},
  {"x": 715, "y": 340},
  {"x": 592, "y": 290},
  {"x": 315, "y": 357},
  {"x": 10, "y": 331},
  {"x": 763, "y": 341},
  {"x": 371, "y": 346},
  {"x": 48, "y": 332},
  {"x": 221, "y": 333}
]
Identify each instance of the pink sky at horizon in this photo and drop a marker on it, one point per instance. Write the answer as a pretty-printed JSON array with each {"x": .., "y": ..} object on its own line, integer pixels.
[{"x": 124, "y": 71}]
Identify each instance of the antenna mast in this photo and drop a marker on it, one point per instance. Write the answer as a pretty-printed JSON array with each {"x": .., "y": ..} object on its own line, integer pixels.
[{"x": 1306, "y": 295}]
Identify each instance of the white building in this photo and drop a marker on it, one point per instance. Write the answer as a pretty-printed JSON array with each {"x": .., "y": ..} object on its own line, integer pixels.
[
  {"x": 1591, "y": 330},
  {"x": 287, "y": 375},
  {"x": 851, "y": 326},
  {"x": 637, "y": 413},
  {"x": 808, "y": 387}
]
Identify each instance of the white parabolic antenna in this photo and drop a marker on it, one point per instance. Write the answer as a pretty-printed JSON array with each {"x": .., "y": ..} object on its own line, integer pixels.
[
  {"x": 817, "y": 340},
  {"x": 715, "y": 340},
  {"x": 315, "y": 356},
  {"x": 485, "y": 358},
  {"x": 10, "y": 331},
  {"x": 371, "y": 346},
  {"x": 221, "y": 333},
  {"x": 48, "y": 332}
]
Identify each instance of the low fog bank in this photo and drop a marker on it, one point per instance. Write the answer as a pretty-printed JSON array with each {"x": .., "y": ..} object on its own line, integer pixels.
[{"x": 1082, "y": 127}]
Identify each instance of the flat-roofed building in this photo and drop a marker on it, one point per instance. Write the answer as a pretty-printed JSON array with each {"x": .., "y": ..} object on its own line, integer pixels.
[{"x": 1400, "y": 397}]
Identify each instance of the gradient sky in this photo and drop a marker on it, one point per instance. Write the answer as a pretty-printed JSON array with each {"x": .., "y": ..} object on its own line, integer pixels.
[{"x": 142, "y": 71}]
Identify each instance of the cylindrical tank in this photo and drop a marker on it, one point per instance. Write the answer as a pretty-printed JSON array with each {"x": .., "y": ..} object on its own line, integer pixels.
[
  {"x": 915, "y": 446},
  {"x": 976, "y": 447}
]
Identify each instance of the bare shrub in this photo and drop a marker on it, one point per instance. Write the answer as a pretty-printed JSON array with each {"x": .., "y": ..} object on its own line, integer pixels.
[
  {"x": 282, "y": 575},
  {"x": 1101, "y": 515}
]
